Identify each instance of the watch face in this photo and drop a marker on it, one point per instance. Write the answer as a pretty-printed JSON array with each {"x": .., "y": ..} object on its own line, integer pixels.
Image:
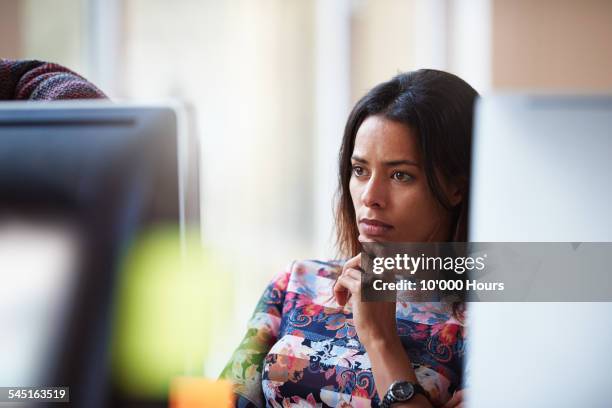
[{"x": 402, "y": 391}]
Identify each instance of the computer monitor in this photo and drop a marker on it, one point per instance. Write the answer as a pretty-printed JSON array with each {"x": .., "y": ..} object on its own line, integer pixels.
[
  {"x": 78, "y": 180},
  {"x": 541, "y": 173}
]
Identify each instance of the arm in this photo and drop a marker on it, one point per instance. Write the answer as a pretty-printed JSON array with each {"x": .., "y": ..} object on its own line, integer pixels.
[
  {"x": 38, "y": 80},
  {"x": 245, "y": 366},
  {"x": 376, "y": 328},
  {"x": 389, "y": 364}
]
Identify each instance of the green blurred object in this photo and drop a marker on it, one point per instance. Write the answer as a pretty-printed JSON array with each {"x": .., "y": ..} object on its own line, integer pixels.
[{"x": 169, "y": 299}]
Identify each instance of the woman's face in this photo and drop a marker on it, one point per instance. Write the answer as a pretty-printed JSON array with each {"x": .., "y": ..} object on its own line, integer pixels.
[{"x": 391, "y": 197}]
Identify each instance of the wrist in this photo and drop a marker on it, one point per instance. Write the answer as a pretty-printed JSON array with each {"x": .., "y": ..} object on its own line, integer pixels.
[
  {"x": 383, "y": 343},
  {"x": 391, "y": 359}
]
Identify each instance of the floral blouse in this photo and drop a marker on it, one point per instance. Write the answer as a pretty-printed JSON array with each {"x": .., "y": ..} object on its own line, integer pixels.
[{"x": 302, "y": 350}]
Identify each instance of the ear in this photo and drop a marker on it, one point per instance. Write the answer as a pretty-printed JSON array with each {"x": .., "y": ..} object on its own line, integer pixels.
[
  {"x": 455, "y": 197},
  {"x": 454, "y": 192}
]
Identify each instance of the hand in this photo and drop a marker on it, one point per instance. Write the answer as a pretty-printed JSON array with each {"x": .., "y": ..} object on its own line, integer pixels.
[
  {"x": 456, "y": 401},
  {"x": 374, "y": 321}
]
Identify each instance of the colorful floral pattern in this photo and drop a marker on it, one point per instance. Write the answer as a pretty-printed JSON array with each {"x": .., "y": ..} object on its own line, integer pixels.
[{"x": 302, "y": 350}]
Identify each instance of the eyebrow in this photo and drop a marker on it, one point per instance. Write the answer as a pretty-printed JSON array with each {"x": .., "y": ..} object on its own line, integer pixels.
[{"x": 387, "y": 163}]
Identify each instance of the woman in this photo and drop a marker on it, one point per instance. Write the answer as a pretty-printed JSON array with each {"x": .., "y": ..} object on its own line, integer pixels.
[{"x": 404, "y": 171}]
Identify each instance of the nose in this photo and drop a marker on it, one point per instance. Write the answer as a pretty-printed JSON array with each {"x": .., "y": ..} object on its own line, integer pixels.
[{"x": 374, "y": 193}]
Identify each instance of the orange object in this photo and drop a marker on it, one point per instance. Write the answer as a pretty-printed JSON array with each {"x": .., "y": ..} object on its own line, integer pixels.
[{"x": 199, "y": 392}]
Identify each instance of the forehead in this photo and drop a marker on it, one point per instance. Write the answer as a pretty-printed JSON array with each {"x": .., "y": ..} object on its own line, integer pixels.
[{"x": 383, "y": 139}]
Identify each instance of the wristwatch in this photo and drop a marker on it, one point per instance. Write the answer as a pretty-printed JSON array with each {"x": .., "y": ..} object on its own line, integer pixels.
[{"x": 402, "y": 391}]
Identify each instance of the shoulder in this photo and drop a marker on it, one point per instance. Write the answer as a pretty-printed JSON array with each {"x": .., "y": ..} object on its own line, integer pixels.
[{"x": 39, "y": 80}]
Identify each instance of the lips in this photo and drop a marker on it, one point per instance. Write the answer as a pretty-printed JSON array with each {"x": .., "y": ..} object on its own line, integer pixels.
[{"x": 374, "y": 228}]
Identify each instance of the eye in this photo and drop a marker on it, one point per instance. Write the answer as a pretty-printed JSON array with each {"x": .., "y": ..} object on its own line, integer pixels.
[
  {"x": 402, "y": 176},
  {"x": 358, "y": 171}
]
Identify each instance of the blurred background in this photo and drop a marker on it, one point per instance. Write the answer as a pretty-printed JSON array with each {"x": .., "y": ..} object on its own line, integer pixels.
[{"x": 268, "y": 85}]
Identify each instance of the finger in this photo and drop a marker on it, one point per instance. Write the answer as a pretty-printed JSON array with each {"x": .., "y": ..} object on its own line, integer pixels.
[
  {"x": 451, "y": 402},
  {"x": 354, "y": 262},
  {"x": 459, "y": 395},
  {"x": 355, "y": 281},
  {"x": 341, "y": 293},
  {"x": 456, "y": 399},
  {"x": 349, "y": 283},
  {"x": 345, "y": 285},
  {"x": 353, "y": 274}
]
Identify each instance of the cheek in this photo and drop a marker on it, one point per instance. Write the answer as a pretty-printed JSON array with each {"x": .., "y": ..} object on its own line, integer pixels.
[
  {"x": 416, "y": 213},
  {"x": 355, "y": 190}
]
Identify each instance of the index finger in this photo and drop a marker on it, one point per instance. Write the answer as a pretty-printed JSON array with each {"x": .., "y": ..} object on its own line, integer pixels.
[{"x": 354, "y": 262}]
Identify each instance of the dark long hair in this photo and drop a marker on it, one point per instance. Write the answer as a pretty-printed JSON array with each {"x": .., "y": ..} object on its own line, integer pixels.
[{"x": 438, "y": 107}]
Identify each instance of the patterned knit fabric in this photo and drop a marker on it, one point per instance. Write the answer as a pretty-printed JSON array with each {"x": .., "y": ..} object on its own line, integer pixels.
[{"x": 43, "y": 81}]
